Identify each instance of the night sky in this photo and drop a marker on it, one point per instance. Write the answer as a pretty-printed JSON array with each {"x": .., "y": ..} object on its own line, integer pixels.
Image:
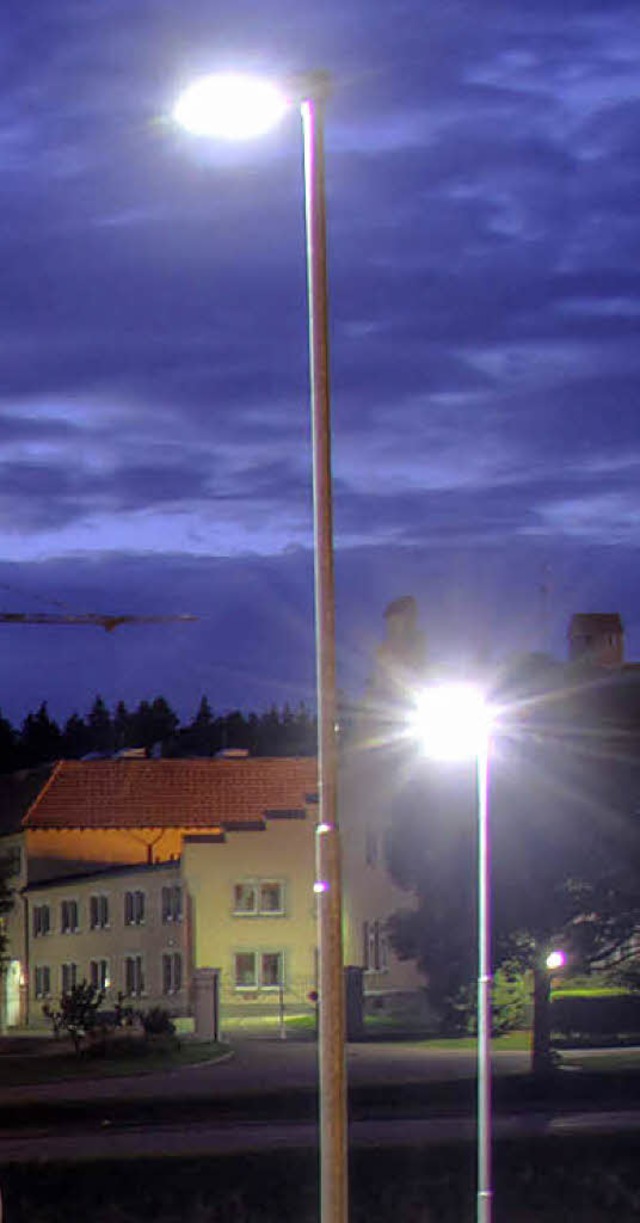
[{"x": 484, "y": 230}]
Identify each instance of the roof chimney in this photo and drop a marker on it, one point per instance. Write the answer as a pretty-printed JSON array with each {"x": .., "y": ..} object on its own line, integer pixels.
[{"x": 597, "y": 638}]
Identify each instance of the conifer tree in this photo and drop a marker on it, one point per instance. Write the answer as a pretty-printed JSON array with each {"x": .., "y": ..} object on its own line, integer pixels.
[{"x": 101, "y": 727}]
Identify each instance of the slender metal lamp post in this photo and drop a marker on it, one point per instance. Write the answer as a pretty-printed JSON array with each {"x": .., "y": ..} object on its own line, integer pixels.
[
  {"x": 205, "y": 109},
  {"x": 331, "y": 1042},
  {"x": 454, "y": 723},
  {"x": 484, "y": 1191}
]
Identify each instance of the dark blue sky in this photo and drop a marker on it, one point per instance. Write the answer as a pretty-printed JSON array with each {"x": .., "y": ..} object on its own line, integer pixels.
[{"x": 483, "y": 180}]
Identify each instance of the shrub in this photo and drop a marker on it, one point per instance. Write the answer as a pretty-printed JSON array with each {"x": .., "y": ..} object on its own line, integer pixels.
[
  {"x": 157, "y": 1022},
  {"x": 509, "y": 1005},
  {"x": 77, "y": 1013},
  {"x": 509, "y": 1000},
  {"x": 605, "y": 1015},
  {"x": 626, "y": 974},
  {"x": 124, "y": 1015}
]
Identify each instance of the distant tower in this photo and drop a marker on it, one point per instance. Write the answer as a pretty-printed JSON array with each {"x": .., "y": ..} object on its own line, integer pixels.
[{"x": 597, "y": 638}]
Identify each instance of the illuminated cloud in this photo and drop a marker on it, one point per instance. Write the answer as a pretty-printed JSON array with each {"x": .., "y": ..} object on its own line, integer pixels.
[{"x": 483, "y": 181}]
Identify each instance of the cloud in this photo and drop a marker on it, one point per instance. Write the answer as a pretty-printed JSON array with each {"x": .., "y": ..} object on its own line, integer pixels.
[
  {"x": 482, "y": 178},
  {"x": 253, "y": 641},
  {"x": 604, "y": 518}
]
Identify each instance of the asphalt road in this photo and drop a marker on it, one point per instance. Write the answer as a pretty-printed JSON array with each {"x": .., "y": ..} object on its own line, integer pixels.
[
  {"x": 272, "y": 1065},
  {"x": 388, "y": 1073},
  {"x": 191, "y": 1140}
]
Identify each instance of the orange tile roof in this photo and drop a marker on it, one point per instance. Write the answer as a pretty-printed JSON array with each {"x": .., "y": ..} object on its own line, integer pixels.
[{"x": 172, "y": 793}]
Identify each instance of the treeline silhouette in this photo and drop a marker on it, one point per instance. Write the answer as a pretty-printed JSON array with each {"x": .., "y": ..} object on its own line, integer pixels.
[{"x": 155, "y": 727}]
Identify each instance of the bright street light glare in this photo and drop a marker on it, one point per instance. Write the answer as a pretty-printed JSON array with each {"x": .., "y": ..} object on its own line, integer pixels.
[
  {"x": 230, "y": 107},
  {"x": 452, "y": 721},
  {"x": 556, "y": 959}
]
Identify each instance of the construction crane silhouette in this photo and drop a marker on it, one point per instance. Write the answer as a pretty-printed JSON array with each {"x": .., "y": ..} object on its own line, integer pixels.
[{"x": 108, "y": 623}]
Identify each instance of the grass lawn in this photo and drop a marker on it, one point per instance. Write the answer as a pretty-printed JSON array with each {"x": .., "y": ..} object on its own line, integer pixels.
[
  {"x": 587, "y": 991},
  {"x": 55, "y": 1064},
  {"x": 519, "y": 1042},
  {"x": 299, "y": 1023},
  {"x": 388, "y": 1027},
  {"x": 604, "y": 1061}
]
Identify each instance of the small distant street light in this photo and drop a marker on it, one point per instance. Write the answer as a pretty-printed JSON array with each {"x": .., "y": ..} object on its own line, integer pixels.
[
  {"x": 454, "y": 722},
  {"x": 556, "y": 960},
  {"x": 239, "y": 107}
]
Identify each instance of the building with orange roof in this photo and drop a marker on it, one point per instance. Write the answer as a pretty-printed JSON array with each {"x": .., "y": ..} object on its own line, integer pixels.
[{"x": 137, "y": 873}]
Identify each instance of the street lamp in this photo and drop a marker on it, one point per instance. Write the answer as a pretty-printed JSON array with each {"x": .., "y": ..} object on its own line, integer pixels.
[
  {"x": 454, "y": 723},
  {"x": 238, "y": 107}
]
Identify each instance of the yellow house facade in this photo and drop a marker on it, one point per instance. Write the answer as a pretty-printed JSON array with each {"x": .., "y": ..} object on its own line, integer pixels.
[
  {"x": 137, "y": 873},
  {"x": 123, "y": 930},
  {"x": 255, "y": 905}
]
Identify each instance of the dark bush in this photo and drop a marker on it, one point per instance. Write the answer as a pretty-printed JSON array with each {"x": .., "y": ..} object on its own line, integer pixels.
[
  {"x": 157, "y": 1022},
  {"x": 603, "y": 1016},
  {"x": 76, "y": 1014}
]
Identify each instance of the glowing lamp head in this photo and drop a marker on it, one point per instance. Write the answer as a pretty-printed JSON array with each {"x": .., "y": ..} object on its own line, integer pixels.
[
  {"x": 229, "y": 106},
  {"x": 556, "y": 960},
  {"x": 452, "y": 721}
]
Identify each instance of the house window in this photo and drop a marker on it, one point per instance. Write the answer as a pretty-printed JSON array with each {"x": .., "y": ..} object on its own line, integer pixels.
[
  {"x": 171, "y": 972},
  {"x": 258, "y": 970},
  {"x": 69, "y": 977},
  {"x": 69, "y": 916},
  {"x": 271, "y": 969},
  {"x": 133, "y": 975},
  {"x": 245, "y": 898},
  {"x": 43, "y": 981},
  {"x": 134, "y": 908},
  {"x": 371, "y": 847},
  {"x": 271, "y": 898},
  {"x": 246, "y": 970},
  {"x": 41, "y": 920},
  {"x": 172, "y": 904},
  {"x": 374, "y": 947},
  {"x": 258, "y": 897},
  {"x": 99, "y": 974},
  {"x": 99, "y": 912}
]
